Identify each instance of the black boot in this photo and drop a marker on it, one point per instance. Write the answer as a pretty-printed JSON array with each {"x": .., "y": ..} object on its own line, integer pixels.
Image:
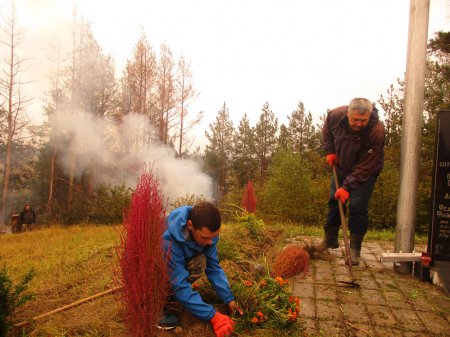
[
  {"x": 331, "y": 237},
  {"x": 355, "y": 248}
]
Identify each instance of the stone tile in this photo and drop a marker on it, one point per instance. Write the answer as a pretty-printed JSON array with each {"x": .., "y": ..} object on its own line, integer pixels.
[
  {"x": 368, "y": 283},
  {"x": 308, "y": 327},
  {"x": 322, "y": 265},
  {"x": 373, "y": 296},
  {"x": 330, "y": 328},
  {"x": 381, "y": 315},
  {"x": 355, "y": 312},
  {"x": 365, "y": 330},
  {"x": 341, "y": 270},
  {"x": 409, "y": 320},
  {"x": 350, "y": 295},
  {"x": 308, "y": 307},
  {"x": 327, "y": 310},
  {"x": 368, "y": 257},
  {"x": 374, "y": 265},
  {"x": 326, "y": 292},
  {"x": 383, "y": 331},
  {"x": 303, "y": 290},
  {"x": 420, "y": 302},
  {"x": 325, "y": 277},
  {"x": 385, "y": 280},
  {"x": 395, "y": 300},
  {"x": 434, "y": 323}
]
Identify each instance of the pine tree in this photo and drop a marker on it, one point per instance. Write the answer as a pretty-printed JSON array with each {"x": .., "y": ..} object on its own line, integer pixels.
[
  {"x": 266, "y": 140},
  {"x": 245, "y": 161},
  {"x": 218, "y": 153},
  {"x": 301, "y": 130}
]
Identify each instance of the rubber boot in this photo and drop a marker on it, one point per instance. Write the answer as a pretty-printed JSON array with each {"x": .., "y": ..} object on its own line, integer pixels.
[
  {"x": 331, "y": 237},
  {"x": 355, "y": 248}
]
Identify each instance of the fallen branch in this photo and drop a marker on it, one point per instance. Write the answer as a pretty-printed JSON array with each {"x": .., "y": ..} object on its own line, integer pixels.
[{"x": 68, "y": 306}]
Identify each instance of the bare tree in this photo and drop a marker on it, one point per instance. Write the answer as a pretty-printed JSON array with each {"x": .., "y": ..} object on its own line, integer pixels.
[
  {"x": 187, "y": 94},
  {"x": 166, "y": 95},
  {"x": 14, "y": 103}
]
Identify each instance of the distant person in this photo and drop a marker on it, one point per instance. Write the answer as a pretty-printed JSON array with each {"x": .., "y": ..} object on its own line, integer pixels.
[
  {"x": 191, "y": 238},
  {"x": 27, "y": 218},
  {"x": 353, "y": 139}
]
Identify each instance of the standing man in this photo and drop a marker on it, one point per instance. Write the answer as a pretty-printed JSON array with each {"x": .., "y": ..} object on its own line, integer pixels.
[
  {"x": 353, "y": 139},
  {"x": 191, "y": 240},
  {"x": 27, "y": 218}
]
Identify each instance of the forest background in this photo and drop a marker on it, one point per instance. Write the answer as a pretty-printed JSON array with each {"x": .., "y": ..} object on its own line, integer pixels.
[{"x": 81, "y": 164}]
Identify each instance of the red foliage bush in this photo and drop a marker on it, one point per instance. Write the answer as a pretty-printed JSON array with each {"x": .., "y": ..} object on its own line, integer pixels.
[
  {"x": 143, "y": 272},
  {"x": 249, "y": 199},
  {"x": 291, "y": 261}
]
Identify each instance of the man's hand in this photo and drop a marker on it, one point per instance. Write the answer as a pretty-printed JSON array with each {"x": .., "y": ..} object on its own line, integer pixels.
[
  {"x": 331, "y": 159},
  {"x": 234, "y": 307},
  {"x": 342, "y": 194},
  {"x": 222, "y": 324}
]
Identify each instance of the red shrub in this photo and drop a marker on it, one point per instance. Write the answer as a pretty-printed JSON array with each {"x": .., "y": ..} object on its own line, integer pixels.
[
  {"x": 249, "y": 199},
  {"x": 143, "y": 272},
  {"x": 291, "y": 261}
]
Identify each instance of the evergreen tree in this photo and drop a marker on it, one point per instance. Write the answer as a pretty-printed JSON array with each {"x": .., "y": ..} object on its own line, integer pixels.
[
  {"x": 301, "y": 130},
  {"x": 266, "y": 140},
  {"x": 218, "y": 153},
  {"x": 245, "y": 161}
]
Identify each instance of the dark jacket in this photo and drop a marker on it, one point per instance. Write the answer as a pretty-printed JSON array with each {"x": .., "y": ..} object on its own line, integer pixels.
[
  {"x": 27, "y": 217},
  {"x": 360, "y": 155},
  {"x": 178, "y": 241}
]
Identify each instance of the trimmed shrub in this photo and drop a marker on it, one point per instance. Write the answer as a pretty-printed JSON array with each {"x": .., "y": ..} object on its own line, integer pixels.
[
  {"x": 249, "y": 199},
  {"x": 291, "y": 261},
  {"x": 144, "y": 274}
]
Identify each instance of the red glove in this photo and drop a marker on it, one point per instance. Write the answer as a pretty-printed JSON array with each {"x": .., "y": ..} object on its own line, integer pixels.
[
  {"x": 331, "y": 159},
  {"x": 222, "y": 324},
  {"x": 342, "y": 194}
]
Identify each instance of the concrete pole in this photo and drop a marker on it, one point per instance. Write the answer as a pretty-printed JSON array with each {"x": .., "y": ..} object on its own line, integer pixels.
[{"x": 412, "y": 130}]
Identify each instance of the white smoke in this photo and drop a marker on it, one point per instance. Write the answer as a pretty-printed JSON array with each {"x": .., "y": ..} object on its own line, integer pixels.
[{"x": 115, "y": 154}]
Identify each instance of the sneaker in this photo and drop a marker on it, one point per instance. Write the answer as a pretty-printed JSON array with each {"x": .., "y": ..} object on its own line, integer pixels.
[{"x": 169, "y": 322}]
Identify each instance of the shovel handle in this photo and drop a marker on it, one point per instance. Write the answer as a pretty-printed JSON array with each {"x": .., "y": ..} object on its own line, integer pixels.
[{"x": 344, "y": 227}]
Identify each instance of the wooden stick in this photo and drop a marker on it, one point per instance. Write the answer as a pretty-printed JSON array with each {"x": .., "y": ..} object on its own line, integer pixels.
[{"x": 68, "y": 306}]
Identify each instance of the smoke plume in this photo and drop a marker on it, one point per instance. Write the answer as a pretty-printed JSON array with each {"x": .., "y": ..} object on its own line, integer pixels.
[{"x": 116, "y": 154}]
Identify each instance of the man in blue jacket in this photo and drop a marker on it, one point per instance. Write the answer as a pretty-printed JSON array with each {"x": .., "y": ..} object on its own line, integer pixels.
[{"x": 191, "y": 239}]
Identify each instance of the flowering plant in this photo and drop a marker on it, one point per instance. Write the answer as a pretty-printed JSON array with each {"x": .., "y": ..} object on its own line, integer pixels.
[{"x": 267, "y": 303}]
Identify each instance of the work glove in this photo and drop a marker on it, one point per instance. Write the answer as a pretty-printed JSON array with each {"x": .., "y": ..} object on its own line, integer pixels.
[
  {"x": 331, "y": 159},
  {"x": 342, "y": 194},
  {"x": 222, "y": 324}
]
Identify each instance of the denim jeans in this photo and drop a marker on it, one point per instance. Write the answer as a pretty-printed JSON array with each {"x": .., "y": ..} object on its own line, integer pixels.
[{"x": 359, "y": 207}]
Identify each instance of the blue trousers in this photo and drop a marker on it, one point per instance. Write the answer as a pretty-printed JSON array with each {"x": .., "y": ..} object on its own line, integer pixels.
[{"x": 358, "y": 207}]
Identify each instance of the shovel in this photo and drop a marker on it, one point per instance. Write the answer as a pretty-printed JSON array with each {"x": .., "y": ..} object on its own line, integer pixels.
[{"x": 348, "y": 256}]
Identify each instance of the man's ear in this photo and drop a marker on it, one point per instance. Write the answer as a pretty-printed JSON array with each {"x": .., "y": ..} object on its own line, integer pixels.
[{"x": 189, "y": 224}]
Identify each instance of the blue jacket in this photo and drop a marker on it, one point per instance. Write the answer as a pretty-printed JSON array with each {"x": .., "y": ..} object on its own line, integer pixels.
[{"x": 179, "y": 243}]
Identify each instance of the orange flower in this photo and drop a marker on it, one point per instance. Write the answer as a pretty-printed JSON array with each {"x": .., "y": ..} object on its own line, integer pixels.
[
  {"x": 292, "y": 316},
  {"x": 294, "y": 299},
  {"x": 280, "y": 280},
  {"x": 255, "y": 320},
  {"x": 263, "y": 283},
  {"x": 248, "y": 283},
  {"x": 259, "y": 314}
]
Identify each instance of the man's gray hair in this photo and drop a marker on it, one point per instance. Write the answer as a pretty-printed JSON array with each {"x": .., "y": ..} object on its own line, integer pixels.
[{"x": 363, "y": 105}]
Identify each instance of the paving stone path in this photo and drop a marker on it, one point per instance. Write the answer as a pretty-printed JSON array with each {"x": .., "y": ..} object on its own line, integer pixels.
[{"x": 386, "y": 304}]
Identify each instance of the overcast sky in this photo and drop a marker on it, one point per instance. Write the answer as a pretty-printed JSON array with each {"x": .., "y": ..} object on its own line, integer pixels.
[{"x": 247, "y": 52}]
